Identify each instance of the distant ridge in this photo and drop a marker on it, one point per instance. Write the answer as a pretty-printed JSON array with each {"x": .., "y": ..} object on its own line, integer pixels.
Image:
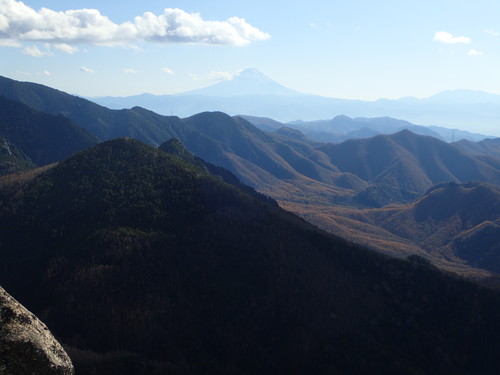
[
  {"x": 252, "y": 93},
  {"x": 304, "y": 176},
  {"x": 407, "y": 162}
]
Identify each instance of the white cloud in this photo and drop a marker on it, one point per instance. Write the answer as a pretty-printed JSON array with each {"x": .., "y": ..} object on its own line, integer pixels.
[
  {"x": 20, "y": 23},
  {"x": 65, "y": 48},
  {"x": 130, "y": 71},
  {"x": 9, "y": 43},
  {"x": 492, "y": 32},
  {"x": 34, "y": 51},
  {"x": 86, "y": 70},
  {"x": 444, "y": 37},
  {"x": 474, "y": 52},
  {"x": 45, "y": 73},
  {"x": 167, "y": 70},
  {"x": 220, "y": 76}
]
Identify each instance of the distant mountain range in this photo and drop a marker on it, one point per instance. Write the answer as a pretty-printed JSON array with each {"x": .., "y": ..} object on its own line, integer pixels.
[
  {"x": 308, "y": 177},
  {"x": 342, "y": 128},
  {"x": 154, "y": 259},
  {"x": 253, "y": 93},
  {"x": 404, "y": 163},
  {"x": 142, "y": 262}
]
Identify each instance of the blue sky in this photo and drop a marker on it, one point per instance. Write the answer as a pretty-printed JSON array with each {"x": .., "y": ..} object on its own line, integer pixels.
[{"x": 356, "y": 49}]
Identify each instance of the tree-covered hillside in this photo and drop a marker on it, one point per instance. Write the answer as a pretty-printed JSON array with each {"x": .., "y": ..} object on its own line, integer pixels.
[
  {"x": 142, "y": 263},
  {"x": 41, "y": 137}
]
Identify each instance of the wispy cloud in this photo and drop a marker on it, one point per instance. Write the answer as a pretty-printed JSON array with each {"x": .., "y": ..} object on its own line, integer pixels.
[
  {"x": 66, "y": 48},
  {"x": 45, "y": 73},
  {"x": 220, "y": 76},
  {"x": 34, "y": 51},
  {"x": 167, "y": 70},
  {"x": 445, "y": 37},
  {"x": 9, "y": 43},
  {"x": 492, "y": 32},
  {"x": 20, "y": 23},
  {"x": 130, "y": 71},
  {"x": 314, "y": 25},
  {"x": 86, "y": 70},
  {"x": 474, "y": 52}
]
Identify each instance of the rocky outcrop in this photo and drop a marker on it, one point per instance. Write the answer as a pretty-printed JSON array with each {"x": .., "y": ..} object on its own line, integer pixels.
[{"x": 26, "y": 344}]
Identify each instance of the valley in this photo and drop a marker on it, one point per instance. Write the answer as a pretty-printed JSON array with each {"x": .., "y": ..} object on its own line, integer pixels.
[
  {"x": 137, "y": 220},
  {"x": 333, "y": 185},
  {"x": 249, "y": 188},
  {"x": 145, "y": 262}
]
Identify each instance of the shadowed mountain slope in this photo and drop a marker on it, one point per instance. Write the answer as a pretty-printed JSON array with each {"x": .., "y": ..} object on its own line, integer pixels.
[
  {"x": 285, "y": 165},
  {"x": 302, "y": 175},
  {"x": 142, "y": 263},
  {"x": 406, "y": 162},
  {"x": 454, "y": 225},
  {"x": 43, "y": 138},
  {"x": 12, "y": 159},
  {"x": 258, "y": 158},
  {"x": 100, "y": 121},
  {"x": 486, "y": 147},
  {"x": 453, "y": 220}
]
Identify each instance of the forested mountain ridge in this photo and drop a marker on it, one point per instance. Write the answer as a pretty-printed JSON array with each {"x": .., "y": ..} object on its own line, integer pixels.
[
  {"x": 288, "y": 167},
  {"x": 38, "y": 138},
  {"x": 304, "y": 176},
  {"x": 264, "y": 161},
  {"x": 143, "y": 263},
  {"x": 100, "y": 121},
  {"x": 407, "y": 163},
  {"x": 456, "y": 226},
  {"x": 12, "y": 159}
]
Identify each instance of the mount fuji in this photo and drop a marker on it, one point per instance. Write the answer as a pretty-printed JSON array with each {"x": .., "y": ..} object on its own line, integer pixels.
[
  {"x": 250, "y": 92},
  {"x": 246, "y": 82}
]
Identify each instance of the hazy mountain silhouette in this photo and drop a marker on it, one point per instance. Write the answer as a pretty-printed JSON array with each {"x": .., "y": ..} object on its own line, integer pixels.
[
  {"x": 342, "y": 128},
  {"x": 143, "y": 263},
  {"x": 302, "y": 175},
  {"x": 247, "y": 82},
  {"x": 252, "y": 93},
  {"x": 266, "y": 161}
]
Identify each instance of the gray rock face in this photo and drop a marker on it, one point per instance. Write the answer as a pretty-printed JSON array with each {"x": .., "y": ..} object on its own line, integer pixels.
[{"x": 26, "y": 344}]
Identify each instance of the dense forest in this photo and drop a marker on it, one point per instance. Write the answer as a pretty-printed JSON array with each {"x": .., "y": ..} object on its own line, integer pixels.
[{"x": 147, "y": 262}]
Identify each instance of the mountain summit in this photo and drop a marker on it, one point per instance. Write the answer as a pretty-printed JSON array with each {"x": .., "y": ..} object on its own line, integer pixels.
[{"x": 247, "y": 82}]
